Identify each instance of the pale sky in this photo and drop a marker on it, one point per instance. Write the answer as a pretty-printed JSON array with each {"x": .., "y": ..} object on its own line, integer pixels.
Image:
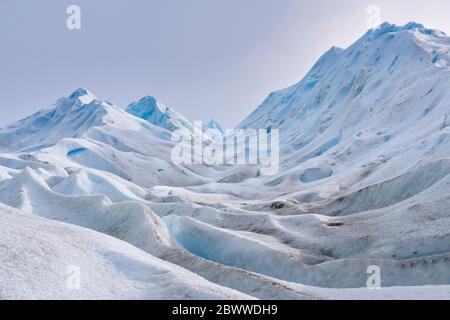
[{"x": 204, "y": 58}]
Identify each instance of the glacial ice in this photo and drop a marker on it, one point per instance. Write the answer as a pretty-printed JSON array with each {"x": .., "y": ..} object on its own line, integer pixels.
[{"x": 363, "y": 180}]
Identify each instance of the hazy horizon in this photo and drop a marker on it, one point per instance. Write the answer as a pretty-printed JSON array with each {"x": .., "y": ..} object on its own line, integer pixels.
[{"x": 206, "y": 60}]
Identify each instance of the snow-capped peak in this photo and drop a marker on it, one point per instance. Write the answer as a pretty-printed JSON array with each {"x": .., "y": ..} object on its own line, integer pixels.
[
  {"x": 70, "y": 116},
  {"x": 363, "y": 89},
  {"x": 147, "y": 105},
  {"x": 153, "y": 111},
  {"x": 411, "y": 27},
  {"x": 364, "y": 176},
  {"x": 80, "y": 101},
  {"x": 213, "y": 125},
  {"x": 82, "y": 92}
]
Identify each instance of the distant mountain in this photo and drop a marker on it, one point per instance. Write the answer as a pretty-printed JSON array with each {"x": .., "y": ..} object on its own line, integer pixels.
[
  {"x": 97, "y": 134},
  {"x": 156, "y": 113}
]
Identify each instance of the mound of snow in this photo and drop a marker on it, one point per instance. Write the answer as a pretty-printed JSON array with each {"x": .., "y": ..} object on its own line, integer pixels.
[{"x": 53, "y": 253}]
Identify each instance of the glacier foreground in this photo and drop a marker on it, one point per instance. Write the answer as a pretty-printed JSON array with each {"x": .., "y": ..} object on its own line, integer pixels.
[{"x": 90, "y": 189}]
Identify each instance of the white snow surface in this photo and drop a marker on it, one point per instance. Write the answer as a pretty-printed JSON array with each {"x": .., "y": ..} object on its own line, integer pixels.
[
  {"x": 38, "y": 254},
  {"x": 363, "y": 180}
]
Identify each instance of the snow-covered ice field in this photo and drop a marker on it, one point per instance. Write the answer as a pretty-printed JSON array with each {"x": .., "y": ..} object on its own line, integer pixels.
[{"x": 364, "y": 180}]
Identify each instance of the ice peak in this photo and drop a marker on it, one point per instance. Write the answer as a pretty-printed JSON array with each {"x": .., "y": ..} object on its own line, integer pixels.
[
  {"x": 148, "y": 99},
  {"x": 213, "y": 124},
  {"x": 82, "y": 97},
  {"x": 387, "y": 27},
  {"x": 82, "y": 92},
  {"x": 334, "y": 50},
  {"x": 150, "y": 109},
  {"x": 147, "y": 106},
  {"x": 327, "y": 58}
]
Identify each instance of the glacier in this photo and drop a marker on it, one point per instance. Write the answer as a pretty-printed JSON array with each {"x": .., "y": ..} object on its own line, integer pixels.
[{"x": 364, "y": 180}]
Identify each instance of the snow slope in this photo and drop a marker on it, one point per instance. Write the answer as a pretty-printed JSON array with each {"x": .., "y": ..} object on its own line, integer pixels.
[
  {"x": 362, "y": 115},
  {"x": 363, "y": 180},
  {"x": 109, "y": 268}
]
